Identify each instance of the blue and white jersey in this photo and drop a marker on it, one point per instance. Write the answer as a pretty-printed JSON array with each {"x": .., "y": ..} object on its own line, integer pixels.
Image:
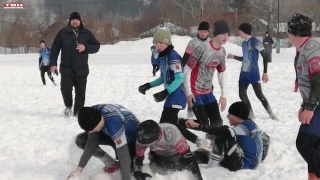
[
  {"x": 44, "y": 54},
  {"x": 249, "y": 139},
  {"x": 250, "y": 50},
  {"x": 119, "y": 123},
  {"x": 169, "y": 65}
]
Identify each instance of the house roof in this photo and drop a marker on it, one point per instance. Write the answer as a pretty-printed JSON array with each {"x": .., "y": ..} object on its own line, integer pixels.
[{"x": 174, "y": 29}]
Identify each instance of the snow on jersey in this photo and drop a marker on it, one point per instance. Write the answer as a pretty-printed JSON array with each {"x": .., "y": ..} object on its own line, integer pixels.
[
  {"x": 250, "y": 50},
  {"x": 248, "y": 136},
  {"x": 171, "y": 143},
  {"x": 205, "y": 59},
  {"x": 44, "y": 54},
  {"x": 118, "y": 121},
  {"x": 307, "y": 64}
]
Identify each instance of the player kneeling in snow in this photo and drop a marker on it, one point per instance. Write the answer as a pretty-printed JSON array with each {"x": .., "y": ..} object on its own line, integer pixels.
[
  {"x": 242, "y": 146},
  {"x": 169, "y": 150},
  {"x": 112, "y": 125}
]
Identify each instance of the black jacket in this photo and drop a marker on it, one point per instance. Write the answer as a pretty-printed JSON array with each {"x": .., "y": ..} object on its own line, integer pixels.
[{"x": 73, "y": 62}]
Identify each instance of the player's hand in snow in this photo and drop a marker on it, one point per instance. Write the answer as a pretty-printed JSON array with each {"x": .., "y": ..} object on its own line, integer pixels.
[{"x": 74, "y": 175}]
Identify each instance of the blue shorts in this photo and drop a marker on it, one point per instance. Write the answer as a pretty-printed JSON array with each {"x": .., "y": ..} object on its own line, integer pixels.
[
  {"x": 251, "y": 77},
  {"x": 204, "y": 99},
  {"x": 314, "y": 126},
  {"x": 176, "y": 99}
]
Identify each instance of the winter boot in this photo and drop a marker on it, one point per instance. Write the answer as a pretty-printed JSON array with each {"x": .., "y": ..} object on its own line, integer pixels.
[{"x": 205, "y": 144}]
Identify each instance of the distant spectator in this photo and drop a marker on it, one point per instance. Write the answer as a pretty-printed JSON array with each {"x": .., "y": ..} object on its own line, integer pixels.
[
  {"x": 44, "y": 62},
  {"x": 267, "y": 44}
]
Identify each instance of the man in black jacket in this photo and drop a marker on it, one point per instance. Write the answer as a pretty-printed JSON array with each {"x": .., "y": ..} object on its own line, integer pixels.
[{"x": 75, "y": 43}]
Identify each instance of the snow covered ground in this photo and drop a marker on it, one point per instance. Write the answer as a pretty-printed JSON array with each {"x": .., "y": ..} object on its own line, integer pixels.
[{"x": 37, "y": 142}]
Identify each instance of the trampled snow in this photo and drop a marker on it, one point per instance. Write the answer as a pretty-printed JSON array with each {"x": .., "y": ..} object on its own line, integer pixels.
[{"x": 37, "y": 142}]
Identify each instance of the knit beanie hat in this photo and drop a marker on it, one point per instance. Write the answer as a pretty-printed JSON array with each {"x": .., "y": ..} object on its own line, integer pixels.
[
  {"x": 204, "y": 26},
  {"x": 148, "y": 132},
  {"x": 88, "y": 118},
  {"x": 246, "y": 28},
  {"x": 75, "y": 15},
  {"x": 162, "y": 35},
  {"x": 220, "y": 27},
  {"x": 239, "y": 109},
  {"x": 300, "y": 25}
]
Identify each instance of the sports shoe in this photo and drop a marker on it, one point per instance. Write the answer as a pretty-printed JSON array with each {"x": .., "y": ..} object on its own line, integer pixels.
[
  {"x": 55, "y": 84},
  {"x": 67, "y": 112},
  {"x": 112, "y": 169},
  {"x": 205, "y": 144}
]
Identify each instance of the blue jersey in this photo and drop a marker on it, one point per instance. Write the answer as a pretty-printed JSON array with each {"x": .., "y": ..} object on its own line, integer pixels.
[
  {"x": 118, "y": 120},
  {"x": 250, "y": 69},
  {"x": 169, "y": 65},
  {"x": 249, "y": 139},
  {"x": 44, "y": 55}
]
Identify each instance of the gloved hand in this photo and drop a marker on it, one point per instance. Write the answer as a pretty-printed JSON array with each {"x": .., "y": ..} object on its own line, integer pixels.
[
  {"x": 141, "y": 176},
  {"x": 144, "y": 88},
  {"x": 160, "y": 96}
]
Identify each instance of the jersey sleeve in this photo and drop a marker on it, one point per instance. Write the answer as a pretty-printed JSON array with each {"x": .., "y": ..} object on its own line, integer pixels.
[
  {"x": 195, "y": 57},
  {"x": 140, "y": 149},
  {"x": 313, "y": 59},
  {"x": 256, "y": 43},
  {"x": 174, "y": 61}
]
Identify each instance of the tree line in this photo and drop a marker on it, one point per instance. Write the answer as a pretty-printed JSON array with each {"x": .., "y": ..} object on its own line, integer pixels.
[{"x": 115, "y": 20}]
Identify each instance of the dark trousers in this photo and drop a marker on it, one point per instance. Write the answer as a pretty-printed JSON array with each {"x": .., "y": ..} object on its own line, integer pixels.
[
  {"x": 44, "y": 70},
  {"x": 79, "y": 83},
  {"x": 82, "y": 138},
  {"x": 308, "y": 146},
  {"x": 208, "y": 114},
  {"x": 170, "y": 115},
  {"x": 258, "y": 91}
]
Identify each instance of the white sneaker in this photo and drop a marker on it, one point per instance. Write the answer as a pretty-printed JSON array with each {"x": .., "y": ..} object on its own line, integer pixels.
[
  {"x": 67, "y": 112},
  {"x": 205, "y": 144}
]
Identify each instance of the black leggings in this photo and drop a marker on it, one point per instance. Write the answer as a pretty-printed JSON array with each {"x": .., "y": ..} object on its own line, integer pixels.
[
  {"x": 308, "y": 146},
  {"x": 258, "y": 91},
  {"x": 170, "y": 115},
  {"x": 208, "y": 114},
  {"x": 43, "y": 71}
]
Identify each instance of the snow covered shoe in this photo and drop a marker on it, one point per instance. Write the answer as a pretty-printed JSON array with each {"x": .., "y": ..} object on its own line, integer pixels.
[
  {"x": 67, "y": 112},
  {"x": 113, "y": 168},
  {"x": 205, "y": 144}
]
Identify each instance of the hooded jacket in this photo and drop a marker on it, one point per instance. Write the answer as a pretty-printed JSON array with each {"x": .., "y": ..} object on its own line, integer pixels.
[{"x": 73, "y": 62}]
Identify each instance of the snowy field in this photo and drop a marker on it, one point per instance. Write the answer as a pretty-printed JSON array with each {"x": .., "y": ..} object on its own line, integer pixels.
[{"x": 37, "y": 142}]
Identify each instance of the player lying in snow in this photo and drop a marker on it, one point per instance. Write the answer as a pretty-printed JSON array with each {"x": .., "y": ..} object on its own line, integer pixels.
[
  {"x": 169, "y": 150},
  {"x": 243, "y": 146}
]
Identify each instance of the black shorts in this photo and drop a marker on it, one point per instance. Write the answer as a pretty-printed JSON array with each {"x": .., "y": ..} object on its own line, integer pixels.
[{"x": 308, "y": 146}]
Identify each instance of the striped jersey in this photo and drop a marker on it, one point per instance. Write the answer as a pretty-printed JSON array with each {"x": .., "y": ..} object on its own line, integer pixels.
[
  {"x": 118, "y": 119},
  {"x": 250, "y": 50}
]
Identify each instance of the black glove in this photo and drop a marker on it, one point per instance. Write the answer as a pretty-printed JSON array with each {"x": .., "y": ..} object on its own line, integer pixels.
[
  {"x": 144, "y": 88},
  {"x": 141, "y": 176},
  {"x": 160, "y": 96}
]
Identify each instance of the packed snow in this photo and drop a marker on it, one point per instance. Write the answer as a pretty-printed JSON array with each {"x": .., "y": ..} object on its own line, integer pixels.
[{"x": 37, "y": 142}]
